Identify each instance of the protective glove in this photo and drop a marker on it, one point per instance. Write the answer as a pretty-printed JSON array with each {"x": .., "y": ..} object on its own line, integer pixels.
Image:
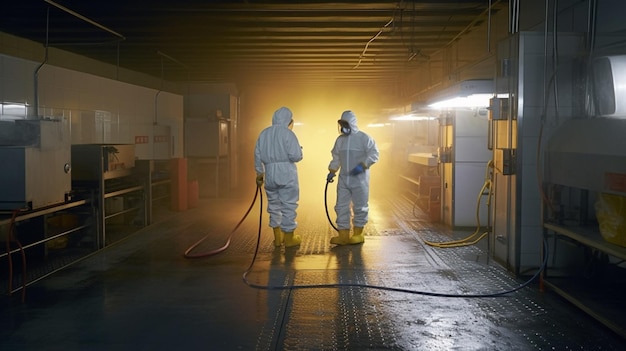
[
  {"x": 360, "y": 168},
  {"x": 330, "y": 177},
  {"x": 259, "y": 180}
]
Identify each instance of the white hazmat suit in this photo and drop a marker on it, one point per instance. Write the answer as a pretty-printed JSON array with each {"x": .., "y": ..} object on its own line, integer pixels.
[
  {"x": 353, "y": 154},
  {"x": 276, "y": 152}
]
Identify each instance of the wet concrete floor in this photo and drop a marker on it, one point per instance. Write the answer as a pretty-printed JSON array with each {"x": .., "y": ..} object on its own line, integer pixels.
[{"x": 391, "y": 293}]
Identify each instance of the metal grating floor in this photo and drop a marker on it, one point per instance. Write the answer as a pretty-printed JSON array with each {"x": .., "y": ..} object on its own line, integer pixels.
[{"x": 141, "y": 294}]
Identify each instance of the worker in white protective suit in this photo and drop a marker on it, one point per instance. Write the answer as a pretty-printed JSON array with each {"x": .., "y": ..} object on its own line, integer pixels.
[
  {"x": 354, "y": 153},
  {"x": 275, "y": 155}
]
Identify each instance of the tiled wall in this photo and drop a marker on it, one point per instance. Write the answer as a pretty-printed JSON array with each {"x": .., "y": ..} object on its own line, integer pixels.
[{"x": 102, "y": 110}]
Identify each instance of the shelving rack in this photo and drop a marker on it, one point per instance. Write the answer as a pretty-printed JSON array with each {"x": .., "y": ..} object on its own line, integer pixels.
[
  {"x": 424, "y": 183},
  {"x": 157, "y": 185},
  {"x": 111, "y": 199},
  {"x": 581, "y": 272},
  {"x": 46, "y": 240},
  {"x": 120, "y": 196},
  {"x": 585, "y": 161}
]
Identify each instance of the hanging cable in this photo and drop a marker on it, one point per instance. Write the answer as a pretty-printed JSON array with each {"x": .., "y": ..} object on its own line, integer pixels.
[
  {"x": 43, "y": 63},
  {"x": 370, "y": 41}
]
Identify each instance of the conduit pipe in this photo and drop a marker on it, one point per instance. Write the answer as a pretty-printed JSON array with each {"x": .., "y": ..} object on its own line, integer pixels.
[{"x": 77, "y": 15}]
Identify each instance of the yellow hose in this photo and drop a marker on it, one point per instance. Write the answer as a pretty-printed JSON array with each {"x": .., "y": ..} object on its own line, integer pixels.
[{"x": 466, "y": 241}]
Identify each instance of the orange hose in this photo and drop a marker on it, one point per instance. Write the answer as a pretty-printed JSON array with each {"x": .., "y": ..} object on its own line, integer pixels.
[{"x": 188, "y": 253}]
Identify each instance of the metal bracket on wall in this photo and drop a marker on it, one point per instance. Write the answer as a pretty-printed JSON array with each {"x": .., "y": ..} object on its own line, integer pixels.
[
  {"x": 445, "y": 154},
  {"x": 505, "y": 160},
  {"x": 498, "y": 109},
  {"x": 446, "y": 119}
]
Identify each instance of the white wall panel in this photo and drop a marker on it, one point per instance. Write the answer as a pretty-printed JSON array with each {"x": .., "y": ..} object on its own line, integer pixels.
[{"x": 76, "y": 94}]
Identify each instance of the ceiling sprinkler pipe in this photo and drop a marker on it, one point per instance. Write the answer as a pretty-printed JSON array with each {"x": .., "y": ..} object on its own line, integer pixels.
[{"x": 77, "y": 15}]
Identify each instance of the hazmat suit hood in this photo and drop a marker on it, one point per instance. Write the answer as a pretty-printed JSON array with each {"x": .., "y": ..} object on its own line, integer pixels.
[
  {"x": 350, "y": 117},
  {"x": 282, "y": 117}
]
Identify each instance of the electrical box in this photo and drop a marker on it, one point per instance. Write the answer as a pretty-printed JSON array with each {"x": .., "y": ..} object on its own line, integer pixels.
[
  {"x": 505, "y": 161},
  {"x": 206, "y": 138},
  {"x": 37, "y": 163},
  {"x": 498, "y": 109},
  {"x": 92, "y": 162},
  {"x": 153, "y": 142}
]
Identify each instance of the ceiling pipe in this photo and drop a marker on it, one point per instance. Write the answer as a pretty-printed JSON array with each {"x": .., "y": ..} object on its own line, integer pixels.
[
  {"x": 370, "y": 41},
  {"x": 376, "y": 36},
  {"x": 46, "y": 45},
  {"x": 513, "y": 16},
  {"x": 489, "y": 27},
  {"x": 156, "y": 97},
  {"x": 472, "y": 24},
  {"x": 77, "y": 15},
  {"x": 36, "y": 75}
]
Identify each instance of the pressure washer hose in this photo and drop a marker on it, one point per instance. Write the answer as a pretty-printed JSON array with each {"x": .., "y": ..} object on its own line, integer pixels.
[
  {"x": 188, "y": 253},
  {"x": 466, "y": 241},
  {"x": 338, "y": 285},
  {"x": 356, "y": 285},
  {"x": 326, "y": 204}
]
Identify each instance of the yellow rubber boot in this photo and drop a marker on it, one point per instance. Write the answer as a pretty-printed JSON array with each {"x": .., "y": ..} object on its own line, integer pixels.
[
  {"x": 357, "y": 237},
  {"x": 278, "y": 236},
  {"x": 292, "y": 239},
  {"x": 342, "y": 239}
]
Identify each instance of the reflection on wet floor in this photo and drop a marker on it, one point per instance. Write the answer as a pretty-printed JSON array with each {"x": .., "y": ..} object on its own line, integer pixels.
[{"x": 143, "y": 294}]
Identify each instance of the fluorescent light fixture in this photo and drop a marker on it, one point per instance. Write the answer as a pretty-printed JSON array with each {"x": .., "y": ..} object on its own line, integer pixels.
[
  {"x": 12, "y": 110},
  {"x": 468, "y": 93},
  {"x": 474, "y": 100},
  {"x": 377, "y": 125},
  {"x": 412, "y": 117}
]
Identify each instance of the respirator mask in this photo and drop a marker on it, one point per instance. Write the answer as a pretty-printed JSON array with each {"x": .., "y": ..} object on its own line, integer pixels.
[{"x": 344, "y": 127}]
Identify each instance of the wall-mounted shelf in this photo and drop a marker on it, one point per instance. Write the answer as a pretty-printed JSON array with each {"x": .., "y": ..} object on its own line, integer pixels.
[{"x": 589, "y": 236}]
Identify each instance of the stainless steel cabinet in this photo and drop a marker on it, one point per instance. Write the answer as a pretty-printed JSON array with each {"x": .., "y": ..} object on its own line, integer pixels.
[{"x": 108, "y": 170}]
